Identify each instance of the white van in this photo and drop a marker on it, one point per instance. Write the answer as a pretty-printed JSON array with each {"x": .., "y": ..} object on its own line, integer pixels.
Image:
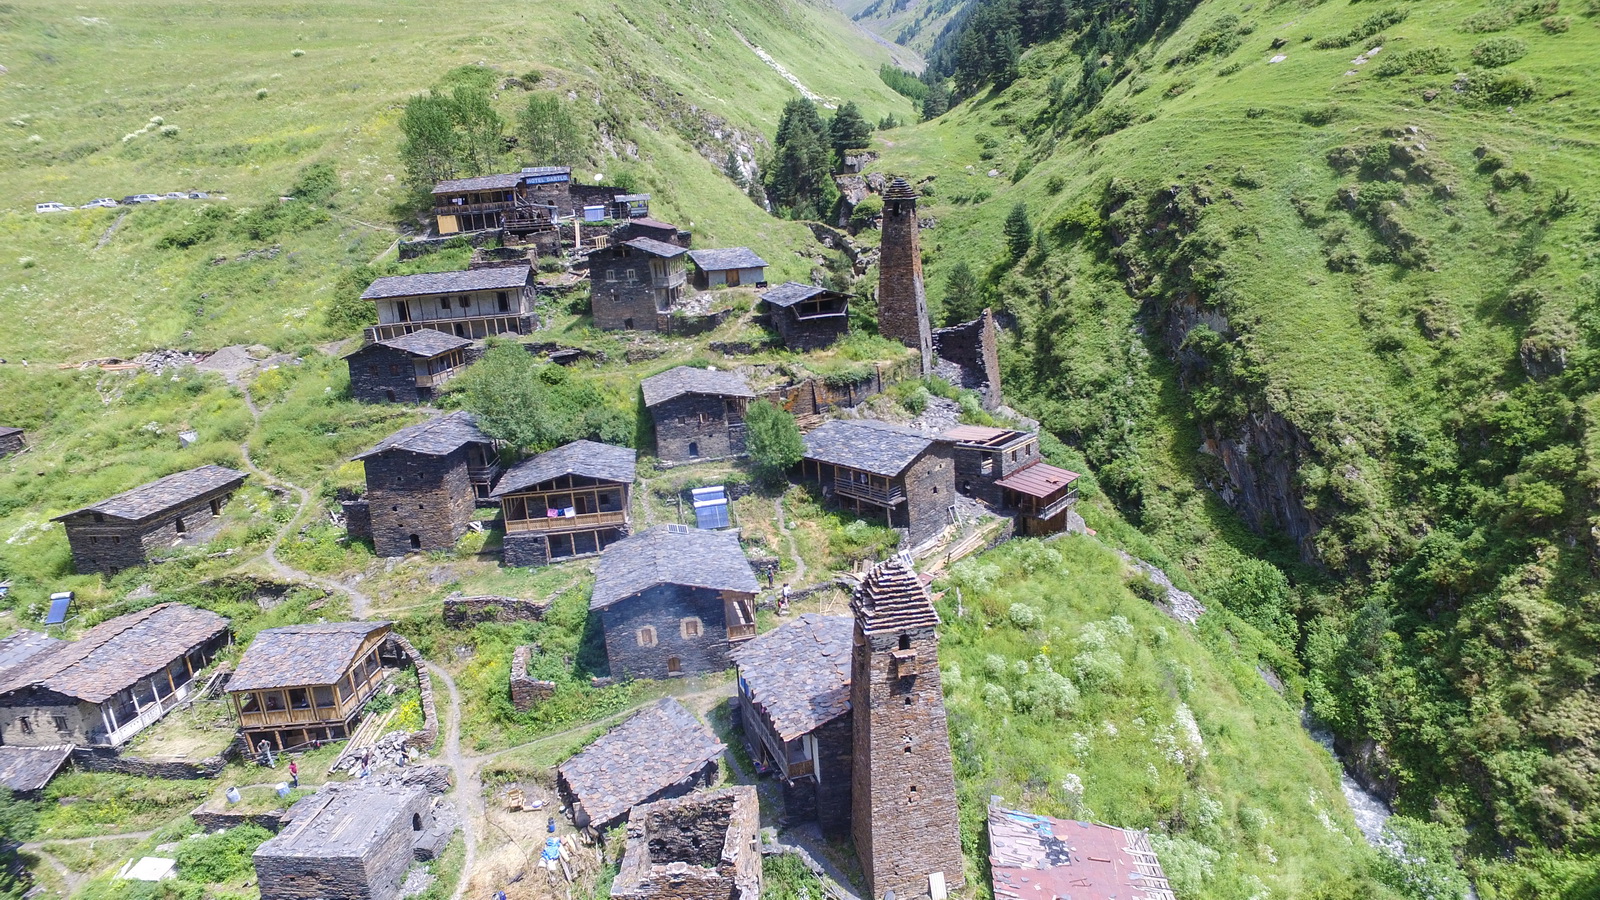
[{"x": 50, "y": 207}]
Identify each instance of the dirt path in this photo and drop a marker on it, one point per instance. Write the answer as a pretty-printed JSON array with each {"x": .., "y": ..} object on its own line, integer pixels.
[
  {"x": 788, "y": 537},
  {"x": 74, "y": 880},
  {"x": 360, "y": 604},
  {"x": 469, "y": 787}
]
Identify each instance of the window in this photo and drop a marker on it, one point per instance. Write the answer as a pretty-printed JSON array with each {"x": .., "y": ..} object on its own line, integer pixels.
[
  {"x": 632, "y": 276},
  {"x": 690, "y": 627},
  {"x": 674, "y": 666},
  {"x": 394, "y": 368},
  {"x": 465, "y": 301},
  {"x": 444, "y": 302},
  {"x": 372, "y": 369},
  {"x": 416, "y": 821},
  {"x": 323, "y": 695},
  {"x": 694, "y": 448},
  {"x": 503, "y": 301},
  {"x": 389, "y": 395},
  {"x": 178, "y": 524},
  {"x": 611, "y": 274},
  {"x": 647, "y": 636},
  {"x": 905, "y": 642},
  {"x": 25, "y": 725},
  {"x": 61, "y": 723},
  {"x": 98, "y": 518},
  {"x": 416, "y": 542},
  {"x": 274, "y": 701},
  {"x": 299, "y": 698},
  {"x": 249, "y": 703}
]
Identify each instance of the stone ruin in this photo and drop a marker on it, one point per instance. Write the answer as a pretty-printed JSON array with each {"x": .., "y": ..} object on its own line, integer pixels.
[
  {"x": 350, "y": 840},
  {"x": 526, "y": 693},
  {"x": 699, "y": 847}
]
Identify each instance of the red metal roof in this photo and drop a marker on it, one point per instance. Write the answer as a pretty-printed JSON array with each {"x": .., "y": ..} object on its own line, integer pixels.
[
  {"x": 1040, "y": 858},
  {"x": 1038, "y": 480}
]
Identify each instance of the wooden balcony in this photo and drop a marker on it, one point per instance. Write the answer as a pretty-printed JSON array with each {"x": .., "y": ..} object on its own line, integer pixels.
[
  {"x": 892, "y": 495},
  {"x": 469, "y": 327},
  {"x": 741, "y": 620},
  {"x": 1054, "y": 507},
  {"x": 436, "y": 379},
  {"x": 567, "y": 523},
  {"x": 472, "y": 208},
  {"x": 280, "y": 718}
]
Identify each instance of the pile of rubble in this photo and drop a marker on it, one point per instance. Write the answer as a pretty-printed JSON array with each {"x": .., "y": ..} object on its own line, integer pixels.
[
  {"x": 387, "y": 752},
  {"x": 158, "y": 361}
]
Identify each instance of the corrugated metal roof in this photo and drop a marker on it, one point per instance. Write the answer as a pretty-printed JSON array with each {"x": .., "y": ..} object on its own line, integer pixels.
[
  {"x": 1038, "y": 480},
  {"x": 299, "y": 655},
  {"x": 587, "y": 458},
  {"x": 672, "y": 554},
  {"x": 799, "y": 673},
  {"x": 682, "y": 380},
  {"x": 115, "y": 654},
  {"x": 164, "y": 494},
  {"x": 498, "y": 278},
  {"x": 1038, "y": 858}
]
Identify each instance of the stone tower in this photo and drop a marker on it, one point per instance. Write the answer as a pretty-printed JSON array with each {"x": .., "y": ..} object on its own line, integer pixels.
[
  {"x": 902, "y": 301},
  {"x": 903, "y": 792}
]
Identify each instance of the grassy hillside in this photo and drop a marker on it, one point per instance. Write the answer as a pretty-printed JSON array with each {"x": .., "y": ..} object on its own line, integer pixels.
[
  {"x": 263, "y": 90},
  {"x": 1344, "y": 299},
  {"x": 913, "y": 24}
]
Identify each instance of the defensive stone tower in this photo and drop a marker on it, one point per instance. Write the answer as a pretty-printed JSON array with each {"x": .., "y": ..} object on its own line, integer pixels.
[
  {"x": 903, "y": 791},
  {"x": 902, "y": 300}
]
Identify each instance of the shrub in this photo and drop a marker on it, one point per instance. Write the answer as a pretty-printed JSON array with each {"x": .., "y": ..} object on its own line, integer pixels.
[
  {"x": 1422, "y": 61},
  {"x": 1022, "y": 615},
  {"x": 297, "y": 53},
  {"x": 1500, "y": 88},
  {"x": 261, "y": 94},
  {"x": 1496, "y": 52},
  {"x": 1055, "y": 184},
  {"x": 773, "y": 440},
  {"x": 1489, "y": 20},
  {"x": 1373, "y": 24},
  {"x": 1556, "y": 24},
  {"x": 169, "y": 131}
]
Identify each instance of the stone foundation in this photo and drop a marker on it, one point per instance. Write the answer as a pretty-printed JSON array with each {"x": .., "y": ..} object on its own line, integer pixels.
[
  {"x": 465, "y": 612},
  {"x": 99, "y": 759},
  {"x": 526, "y": 693}
]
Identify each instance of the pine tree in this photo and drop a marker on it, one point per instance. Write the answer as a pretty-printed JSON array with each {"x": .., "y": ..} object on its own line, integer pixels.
[
  {"x": 1018, "y": 231},
  {"x": 963, "y": 301},
  {"x": 773, "y": 440},
  {"x": 800, "y": 180},
  {"x": 849, "y": 129},
  {"x": 937, "y": 102},
  {"x": 730, "y": 168}
]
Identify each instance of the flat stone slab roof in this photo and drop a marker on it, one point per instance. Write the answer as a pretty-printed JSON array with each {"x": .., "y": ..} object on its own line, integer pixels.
[
  {"x": 799, "y": 673},
  {"x": 660, "y": 746},
  {"x": 164, "y": 494},
  {"x": 342, "y": 820}
]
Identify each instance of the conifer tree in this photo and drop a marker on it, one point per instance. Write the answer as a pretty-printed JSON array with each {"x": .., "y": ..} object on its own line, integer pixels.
[
  {"x": 963, "y": 301},
  {"x": 1018, "y": 231},
  {"x": 800, "y": 180},
  {"x": 849, "y": 129}
]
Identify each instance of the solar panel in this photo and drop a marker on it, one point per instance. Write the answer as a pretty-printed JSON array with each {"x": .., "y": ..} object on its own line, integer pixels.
[
  {"x": 58, "y": 608},
  {"x": 710, "y": 507}
]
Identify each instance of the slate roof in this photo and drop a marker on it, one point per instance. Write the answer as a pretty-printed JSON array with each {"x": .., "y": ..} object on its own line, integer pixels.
[
  {"x": 655, "y": 247},
  {"x": 164, "y": 494},
  {"x": 729, "y": 258},
  {"x": 435, "y": 437},
  {"x": 893, "y": 598},
  {"x": 21, "y": 647},
  {"x": 631, "y": 198},
  {"x": 647, "y": 222},
  {"x": 672, "y": 554},
  {"x": 499, "y": 278},
  {"x": 115, "y": 654},
  {"x": 1036, "y": 856},
  {"x": 867, "y": 445},
  {"x": 588, "y": 458},
  {"x": 31, "y": 768},
  {"x": 1038, "y": 480},
  {"x": 660, "y": 746},
  {"x": 799, "y": 673},
  {"x": 684, "y": 380},
  {"x": 547, "y": 170},
  {"x": 6, "y": 430},
  {"x": 424, "y": 342},
  {"x": 298, "y": 655},
  {"x": 340, "y": 821},
  {"x": 481, "y": 183},
  {"x": 791, "y": 293},
  {"x": 900, "y": 189}
]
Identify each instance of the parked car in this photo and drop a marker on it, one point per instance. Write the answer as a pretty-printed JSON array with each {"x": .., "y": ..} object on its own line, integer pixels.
[
  {"x": 142, "y": 198},
  {"x": 102, "y": 203},
  {"x": 198, "y": 195},
  {"x": 176, "y": 195},
  {"x": 50, "y": 207}
]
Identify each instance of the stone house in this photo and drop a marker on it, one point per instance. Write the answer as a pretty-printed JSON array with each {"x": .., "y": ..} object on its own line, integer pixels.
[
  {"x": 699, "y": 847},
  {"x": 407, "y": 368},
  {"x": 985, "y": 455},
  {"x": 424, "y": 481},
  {"x": 1041, "y": 495},
  {"x": 807, "y": 317},
  {"x": 672, "y": 599},
  {"x": 474, "y": 204},
  {"x": 11, "y": 441},
  {"x": 349, "y": 841},
  {"x": 867, "y": 464},
  {"x": 698, "y": 413},
  {"x": 636, "y": 284},
  {"x": 119, "y": 532},
  {"x": 655, "y": 229},
  {"x": 307, "y": 682},
  {"x": 903, "y": 792},
  {"x": 730, "y": 267},
  {"x": 794, "y": 699},
  {"x": 117, "y": 679},
  {"x": 661, "y": 752},
  {"x": 471, "y": 304},
  {"x": 568, "y": 502},
  {"x": 1032, "y": 856}
]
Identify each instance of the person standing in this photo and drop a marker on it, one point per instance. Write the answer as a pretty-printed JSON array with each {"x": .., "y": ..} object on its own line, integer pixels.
[{"x": 294, "y": 774}]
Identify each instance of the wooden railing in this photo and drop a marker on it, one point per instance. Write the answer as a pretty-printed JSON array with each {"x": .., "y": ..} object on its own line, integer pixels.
[
  {"x": 566, "y": 523},
  {"x": 310, "y": 715},
  {"x": 1051, "y": 510},
  {"x": 741, "y": 632},
  {"x": 890, "y": 496},
  {"x": 475, "y": 326},
  {"x": 436, "y": 379},
  {"x": 470, "y": 208},
  {"x": 149, "y": 714}
]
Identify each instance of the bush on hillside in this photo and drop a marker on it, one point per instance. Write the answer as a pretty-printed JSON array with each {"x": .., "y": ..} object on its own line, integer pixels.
[
  {"x": 1496, "y": 52},
  {"x": 1422, "y": 61},
  {"x": 1368, "y": 28},
  {"x": 1502, "y": 88},
  {"x": 773, "y": 440}
]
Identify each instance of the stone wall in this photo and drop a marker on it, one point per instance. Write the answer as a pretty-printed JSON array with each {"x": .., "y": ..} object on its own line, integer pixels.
[
  {"x": 104, "y": 759},
  {"x": 930, "y": 492},
  {"x": 429, "y": 733},
  {"x": 111, "y": 546},
  {"x": 11, "y": 443},
  {"x": 904, "y": 817},
  {"x": 664, "y": 607},
  {"x": 619, "y": 302},
  {"x": 706, "y": 423},
  {"x": 526, "y": 693},
  {"x": 814, "y": 395},
  {"x": 810, "y": 334},
  {"x": 702, "y": 847},
  {"x": 357, "y": 519},
  {"x": 209, "y": 820},
  {"x": 969, "y": 355},
  {"x": 425, "y": 246},
  {"x": 465, "y": 612},
  {"x": 380, "y": 374},
  {"x": 415, "y": 494}
]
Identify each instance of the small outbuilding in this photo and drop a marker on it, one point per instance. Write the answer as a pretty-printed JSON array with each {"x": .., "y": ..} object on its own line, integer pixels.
[
  {"x": 119, "y": 532},
  {"x": 865, "y": 463},
  {"x": 794, "y": 698},
  {"x": 1041, "y": 495},
  {"x": 729, "y": 267},
  {"x": 698, "y": 413},
  {"x": 700, "y": 847},
  {"x": 26, "y": 770},
  {"x": 672, "y": 599},
  {"x": 985, "y": 455},
  {"x": 118, "y": 678},
  {"x": 568, "y": 502},
  {"x": 407, "y": 368},
  {"x": 424, "y": 481},
  {"x": 662, "y": 752},
  {"x": 11, "y": 440},
  {"x": 807, "y": 317},
  {"x": 1033, "y": 856},
  {"x": 304, "y": 683},
  {"x": 349, "y": 841}
]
